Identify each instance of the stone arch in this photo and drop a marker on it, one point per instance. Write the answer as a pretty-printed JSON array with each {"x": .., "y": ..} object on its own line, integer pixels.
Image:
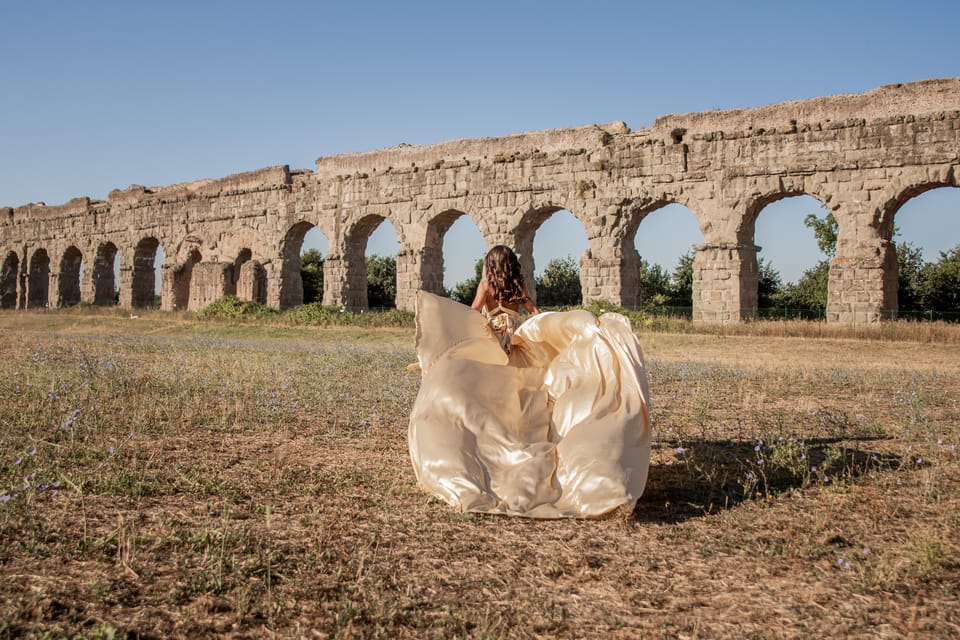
[
  {"x": 103, "y": 276},
  {"x": 746, "y": 230},
  {"x": 244, "y": 256},
  {"x": 38, "y": 280},
  {"x": 248, "y": 278},
  {"x": 637, "y": 209},
  {"x": 610, "y": 269},
  {"x": 246, "y": 275},
  {"x": 525, "y": 231},
  {"x": 864, "y": 275},
  {"x": 898, "y": 193},
  {"x": 9, "y": 275},
  {"x": 181, "y": 274},
  {"x": 900, "y": 301},
  {"x": 432, "y": 260},
  {"x": 786, "y": 247},
  {"x": 354, "y": 292},
  {"x": 68, "y": 282},
  {"x": 634, "y": 233},
  {"x": 861, "y": 152},
  {"x": 747, "y": 250},
  {"x": 291, "y": 282},
  {"x": 143, "y": 283}
]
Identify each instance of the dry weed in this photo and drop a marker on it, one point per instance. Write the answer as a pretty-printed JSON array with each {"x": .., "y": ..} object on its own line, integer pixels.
[{"x": 167, "y": 478}]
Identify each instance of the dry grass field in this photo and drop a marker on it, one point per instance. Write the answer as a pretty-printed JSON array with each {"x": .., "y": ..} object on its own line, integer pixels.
[{"x": 163, "y": 477}]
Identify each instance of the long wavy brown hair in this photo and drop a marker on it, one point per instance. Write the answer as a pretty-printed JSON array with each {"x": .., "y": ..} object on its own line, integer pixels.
[{"x": 503, "y": 275}]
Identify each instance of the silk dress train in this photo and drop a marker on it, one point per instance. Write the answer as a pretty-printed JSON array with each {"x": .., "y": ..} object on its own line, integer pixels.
[{"x": 557, "y": 428}]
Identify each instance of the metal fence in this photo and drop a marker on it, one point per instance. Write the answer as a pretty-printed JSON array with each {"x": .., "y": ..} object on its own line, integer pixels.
[
  {"x": 819, "y": 315},
  {"x": 922, "y": 316},
  {"x": 771, "y": 313}
]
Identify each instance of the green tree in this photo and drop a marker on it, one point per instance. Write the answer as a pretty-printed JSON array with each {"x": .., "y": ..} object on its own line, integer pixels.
[
  {"x": 681, "y": 282},
  {"x": 768, "y": 284},
  {"x": 464, "y": 292},
  {"x": 810, "y": 291},
  {"x": 812, "y": 288},
  {"x": 938, "y": 284},
  {"x": 654, "y": 285},
  {"x": 909, "y": 267},
  {"x": 825, "y": 230},
  {"x": 311, "y": 273},
  {"x": 559, "y": 285},
  {"x": 381, "y": 281}
]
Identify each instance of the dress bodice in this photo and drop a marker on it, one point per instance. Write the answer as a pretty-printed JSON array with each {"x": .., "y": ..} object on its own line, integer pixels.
[{"x": 504, "y": 323}]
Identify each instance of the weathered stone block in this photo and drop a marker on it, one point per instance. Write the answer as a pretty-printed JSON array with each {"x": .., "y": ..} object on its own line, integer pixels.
[{"x": 856, "y": 153}]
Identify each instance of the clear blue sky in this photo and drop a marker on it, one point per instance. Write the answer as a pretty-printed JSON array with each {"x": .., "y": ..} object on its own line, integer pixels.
[{"x": 100, "y": 95}]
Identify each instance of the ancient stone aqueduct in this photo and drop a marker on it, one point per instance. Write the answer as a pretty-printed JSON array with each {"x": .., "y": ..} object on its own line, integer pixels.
[{"x": 861, "y": 155}]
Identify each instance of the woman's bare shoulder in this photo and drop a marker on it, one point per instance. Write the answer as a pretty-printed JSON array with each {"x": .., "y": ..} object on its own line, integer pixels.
[{"x": 480, "y": 300}]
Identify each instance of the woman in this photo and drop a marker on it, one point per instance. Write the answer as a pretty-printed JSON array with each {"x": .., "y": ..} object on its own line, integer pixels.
[
  {"x": 543, "y": 419},
  {"x": 500, "y": 294}
]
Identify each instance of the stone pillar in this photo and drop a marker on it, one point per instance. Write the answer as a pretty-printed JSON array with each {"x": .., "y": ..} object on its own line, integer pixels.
[
  {"x": 58, "y": 301},
  {"x": 272, "y": 268},
  {"x": 287, "y": 282},
  {"x": 610, "y": 267},
  {"x": 345, "y": 282},
  {"x": 863, "y": 282},
  {"x": 355, "y": 284},
  {"x": 431, "y": 270},
  {"x": 209, "y": 282},
  {"x": 22, "y": 284},
  {"x": 9, "y": 278},
  {"x": 125, "y": 301},
  {"x": 725, "y": 278},
  {"x": 178, "y": 284},
  {"x": 86, "y": 283},
  {"x": 409, "y": 280},
  {"x": 167, "y": 287},
  {"x": 21, "y": 299},
  {"x": 334, "y": 276},
  {"x": 610, "y": 274},
  {"x": 251, "y": 282}
]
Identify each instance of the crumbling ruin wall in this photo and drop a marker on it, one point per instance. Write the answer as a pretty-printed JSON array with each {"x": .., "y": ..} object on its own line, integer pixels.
[{"x": 861, "y": 155}]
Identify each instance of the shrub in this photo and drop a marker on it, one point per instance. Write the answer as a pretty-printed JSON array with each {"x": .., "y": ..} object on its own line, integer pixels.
[
  {"x": 316, "y": 314},
  {"x": 638, "y": 320},
  {"x": 233, "y": 308}
]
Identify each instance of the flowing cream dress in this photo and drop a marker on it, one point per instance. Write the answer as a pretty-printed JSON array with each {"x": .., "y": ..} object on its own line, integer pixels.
[{"x": 557, "y": 428}]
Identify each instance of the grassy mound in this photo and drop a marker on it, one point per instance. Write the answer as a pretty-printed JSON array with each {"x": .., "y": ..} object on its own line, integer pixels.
[{"x": 233, "y": 308}]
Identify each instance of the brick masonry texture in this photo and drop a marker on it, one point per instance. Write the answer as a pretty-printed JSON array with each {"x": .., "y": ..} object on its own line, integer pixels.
[{"x": 861, "y": 155}]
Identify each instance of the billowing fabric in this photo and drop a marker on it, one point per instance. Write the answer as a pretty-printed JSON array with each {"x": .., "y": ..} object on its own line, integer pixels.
[
  {"x": 504, "y": 323},
  {"x": 557, "y": 428}
]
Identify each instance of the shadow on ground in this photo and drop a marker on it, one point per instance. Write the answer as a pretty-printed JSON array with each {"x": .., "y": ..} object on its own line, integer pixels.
[{"x": 707, "y": 477}]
